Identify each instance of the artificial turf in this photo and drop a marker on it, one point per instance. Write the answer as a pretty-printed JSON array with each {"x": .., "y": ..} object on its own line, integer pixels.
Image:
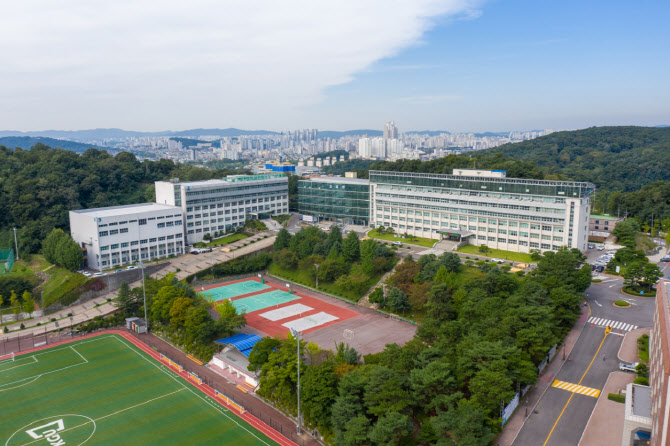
[{"x": 107, "y": 389}]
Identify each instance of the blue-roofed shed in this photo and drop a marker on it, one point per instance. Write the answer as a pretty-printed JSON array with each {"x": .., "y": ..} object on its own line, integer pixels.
[{"x": 241, "y": 341}]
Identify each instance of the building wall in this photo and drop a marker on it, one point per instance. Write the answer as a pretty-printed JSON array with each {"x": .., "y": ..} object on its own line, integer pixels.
[
  {"x": 510, "y": 214},
  {"x": 223, "y": 205},
  {"x": 659, "y": 370},
  {"x": 345, "y": 201},
  {"x": 602, "y": 226},
  {"x": 124, "y": 237}
]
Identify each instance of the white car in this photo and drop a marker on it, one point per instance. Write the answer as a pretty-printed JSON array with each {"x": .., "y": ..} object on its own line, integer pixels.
[
  {"x": 99, "y": 275},
  {"x": 131, "y": 267},
  {"x": 86, "y": 273},
  {"x": 628, "y": 366},
  {"x": 498, "y": 260},
  {"x": 600, "y": 247}
]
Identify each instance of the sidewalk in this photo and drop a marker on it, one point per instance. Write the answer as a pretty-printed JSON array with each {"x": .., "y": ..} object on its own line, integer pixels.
[
  {"x": 530, "y": 400},
  {"x": 628, "y": 349},
  {"x": 605, "y": 425}
]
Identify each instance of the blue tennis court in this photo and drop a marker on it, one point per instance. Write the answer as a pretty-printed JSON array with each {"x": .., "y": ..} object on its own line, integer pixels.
[
  {"x": 233, "y": 290},
  {"x": 263, "y": 300}
]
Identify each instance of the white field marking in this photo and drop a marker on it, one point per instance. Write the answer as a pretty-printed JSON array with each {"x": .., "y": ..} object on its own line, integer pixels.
[
  {"x": 286, "y": 312},
  {"x": 216, "y": 407},
  {"x": 79, "y": 354},
  {"x": 616, "y": 325},
  {"x": 108, "y": 415},
  {"x": 597, "y": 303},
  {"x": 21, "y": 365},
  {"x": 34, "y": 378},
  {"x": 67, "y": 347},
  {"x": 312, "y": 321}
]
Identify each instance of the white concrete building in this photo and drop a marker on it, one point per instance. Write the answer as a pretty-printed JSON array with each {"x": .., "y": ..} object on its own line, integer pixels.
[
  {"x": 483, "y": 207},
  {"x": 120, "y": 235},
  {"x": 222, "y": 205}
]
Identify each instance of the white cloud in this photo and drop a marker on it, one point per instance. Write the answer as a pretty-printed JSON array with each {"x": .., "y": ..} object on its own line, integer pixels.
[{"x": 144, "y": 64}]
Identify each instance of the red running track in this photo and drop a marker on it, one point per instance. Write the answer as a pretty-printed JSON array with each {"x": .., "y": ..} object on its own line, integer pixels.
[{"x": 250, "y": 419}]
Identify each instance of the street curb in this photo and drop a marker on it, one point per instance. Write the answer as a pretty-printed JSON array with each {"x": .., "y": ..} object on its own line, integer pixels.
[
  {"x": 549, "y": 386},
  {"x": 621, "y": 308},
  {"x": 594, "y": 407}
]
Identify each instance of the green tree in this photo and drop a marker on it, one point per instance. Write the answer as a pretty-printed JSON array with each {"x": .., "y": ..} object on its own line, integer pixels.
[
  {"x": 451, "y": 261},
  {"x": 125, "y": 299},
  {"x": 368, "y": 253},
  {"x": 261, "y": 352},
  {"x": 385, "y": 392},
  {"x": 51, "y": 244},
  {"x": 286, "y": 259},
  {"x": 15, "y": 303},
  {"x": 179, "y": 311},
  {"x": 283, "y": 240},
  {"x": 28, "y": 303},
  {"x": 229, "y": 319},
  {"x": 650, "y": 275},
  {"x": 318, "y": 393},
  {"x": 392, "y": 429},
  {"x": 334, "y": 236},
  {"x": 397, "y": 300},
  {"x": 351, "y": 247},
  {"x": 463, "y": 425}
]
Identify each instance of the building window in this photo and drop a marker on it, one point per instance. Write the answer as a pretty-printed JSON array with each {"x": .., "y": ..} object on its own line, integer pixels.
[
  {"x": 103, "y": 233},
  {"x": 135, "y": 243},
  {"x": 142, "y": 221},
  {"x": 116, "y": 246},
  {"x": 113, "y": 232},
  {"x": 123, "y": 230},
  {"x": 143, "y": 242}
]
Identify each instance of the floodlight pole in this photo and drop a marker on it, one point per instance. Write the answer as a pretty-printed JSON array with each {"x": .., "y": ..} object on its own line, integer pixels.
[
  {"x": 144, "y": 292},
  {"x": 16, "y": 244},
  {"x": 317, "y": 275},
  {"x": 298, "y": 336}
]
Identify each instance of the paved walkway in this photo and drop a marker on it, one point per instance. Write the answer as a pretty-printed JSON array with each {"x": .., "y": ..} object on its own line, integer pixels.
[
  {"x": 605, "y": 425},
  {"x": 530, "y": 400}
]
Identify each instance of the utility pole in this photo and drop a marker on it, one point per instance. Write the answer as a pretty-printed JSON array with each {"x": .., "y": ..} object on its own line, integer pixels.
[
  {"x": 298, "y": 336},
  {"x": 16, "y": 244},
  {"x": 144, "y": 292}
]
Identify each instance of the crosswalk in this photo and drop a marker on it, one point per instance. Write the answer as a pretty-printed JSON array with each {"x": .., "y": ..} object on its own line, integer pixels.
[
  {"x": 576, "y": 388},
  {"x": 614, "y": 324}
]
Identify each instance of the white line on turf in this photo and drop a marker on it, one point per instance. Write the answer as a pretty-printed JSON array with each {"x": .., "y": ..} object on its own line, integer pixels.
[
  {"x": 78, "y": 354},
  {"x": 21, "y": 365},
  {"x": 216, "y": 407}
]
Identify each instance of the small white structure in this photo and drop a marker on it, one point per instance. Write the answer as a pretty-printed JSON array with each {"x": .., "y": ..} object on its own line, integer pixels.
[{"x": 121, "y": 235}]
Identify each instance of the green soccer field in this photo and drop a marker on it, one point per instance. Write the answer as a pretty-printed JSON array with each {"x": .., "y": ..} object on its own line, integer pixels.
[{"x": 104, "y": 390}]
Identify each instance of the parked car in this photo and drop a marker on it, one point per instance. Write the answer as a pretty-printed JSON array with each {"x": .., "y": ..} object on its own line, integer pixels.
[
  {"x": 397, "y": 243},
  {"x": 601, "y": 247},
  {"x": 195, "y": 251},
  {"x": 591, "y": 245},
  {"x": 611, "y": 253},
  {"x": 86, "y": 273},
  {"x": 496, "y": 260},
  {"x": 593, "y": 267},
  {"x": 600, "y": 268},
  {"x": 131, "y": 267},
  {"x": 99, "y": 275},
  {"x": 628, "y": 366},
  {"x": 206, "y": 250},
  {"x": 118, "y": 271},
  {"x": 665, "y": 259}
]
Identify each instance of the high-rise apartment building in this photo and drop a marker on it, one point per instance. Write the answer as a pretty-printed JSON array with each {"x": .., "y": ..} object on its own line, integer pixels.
[
  {"x": 390, "y": 130},
  {"x": 221, "y": 205},
  {"x": 484, "y": 208}
]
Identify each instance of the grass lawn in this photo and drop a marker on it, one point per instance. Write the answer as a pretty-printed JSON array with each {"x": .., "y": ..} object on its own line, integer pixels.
[
  {"x": 643, "y": 242},
  {"x": 635, "y": 291},
  {"x": 225, "y": 240},
  {"x": 62, "y": 388},
  {"x": 498, "y": 253},
  {"x": 643, "y": 348},
  {"x": 427, "y": 242},
  {"x": 281, "y": 218},
  {"x": 304, "y": 277}
]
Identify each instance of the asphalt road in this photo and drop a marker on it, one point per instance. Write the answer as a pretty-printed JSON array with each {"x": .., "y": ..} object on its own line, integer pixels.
[{"x": 560, "y": 417}]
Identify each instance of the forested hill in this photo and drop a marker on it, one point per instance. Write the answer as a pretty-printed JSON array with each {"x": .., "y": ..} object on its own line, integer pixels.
[
  {"x": 26, "y": 142},
  {"x": 39, "y": 186},
  {"x": 613, "y": 158}
]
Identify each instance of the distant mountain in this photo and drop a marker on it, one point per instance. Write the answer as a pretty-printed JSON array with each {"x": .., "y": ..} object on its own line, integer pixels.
[
  {"x": 334, "y": 135},
  {"x": 26, "y": 142},
  {"x": 220, "y": 132},
  {"x": 485, "y": 134},
  {"x": 614, "y": 158},
  {"x": 86, "y": 135}
]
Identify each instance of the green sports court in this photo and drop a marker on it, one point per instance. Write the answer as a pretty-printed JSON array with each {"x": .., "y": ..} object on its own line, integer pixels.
[
  {"x": 264, "y": 300},
  {"x": 105, "y": 390},
  {"x": 233, "y": 290}
]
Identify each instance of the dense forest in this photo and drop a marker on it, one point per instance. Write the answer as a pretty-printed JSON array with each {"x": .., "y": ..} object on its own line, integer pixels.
[
  {"x": 26, "y": 142},
  {"x": 483, "y": 335},
  {"x": 39, "y": 186},
  {"x": 613, "y": 158}
]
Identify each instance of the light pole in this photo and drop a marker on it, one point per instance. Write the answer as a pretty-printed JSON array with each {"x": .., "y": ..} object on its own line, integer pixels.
[
  {"x": 144, "y": 292},
  {"x": 317, "y": 275},
  {"x": 298, "y": 336},
  {"x": 16, "y": 244},
  {"x": 384, "y": 293}
]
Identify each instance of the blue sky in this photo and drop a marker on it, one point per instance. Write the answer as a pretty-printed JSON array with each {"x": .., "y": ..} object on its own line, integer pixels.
[
  {"x": 522, "y": 65},
  {"x": 458, "y": 65}
]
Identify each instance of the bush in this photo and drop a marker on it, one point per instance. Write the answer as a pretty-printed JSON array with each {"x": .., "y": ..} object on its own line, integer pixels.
[
  {"x": 6, "y": 330},
  {"x": 22, "y": 326},
  {"x": 642, "y": 380},
  {"x": 596, "y": 280},
  {"x": 621, "y": 303},
  {"x": 616, "y": 397}
]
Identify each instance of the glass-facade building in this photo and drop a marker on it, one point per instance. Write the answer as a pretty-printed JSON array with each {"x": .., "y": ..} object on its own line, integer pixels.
[
  {"x": 483, "y": 207},
  {"x": 335, "y": 198}
]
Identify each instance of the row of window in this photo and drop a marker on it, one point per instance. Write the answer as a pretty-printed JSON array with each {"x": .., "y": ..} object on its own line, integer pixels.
[
  {"x": 140, "y": 242},
  {"x": 142, "y": 256},
  {"x": 235, "y": 189},
  {"x": 247, "y": 197}
]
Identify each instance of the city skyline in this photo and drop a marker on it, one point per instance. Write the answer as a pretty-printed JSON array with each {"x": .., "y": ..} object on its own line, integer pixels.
[{"x": 458, "y": 65}]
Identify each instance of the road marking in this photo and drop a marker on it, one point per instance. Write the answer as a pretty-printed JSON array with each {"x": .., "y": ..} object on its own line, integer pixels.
[
  {"x": 572, "y": 393},
  {"x": 616, "y": 325},
  {"x": 597, "y": 303},
  {"x": 576, "y": 388}
]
